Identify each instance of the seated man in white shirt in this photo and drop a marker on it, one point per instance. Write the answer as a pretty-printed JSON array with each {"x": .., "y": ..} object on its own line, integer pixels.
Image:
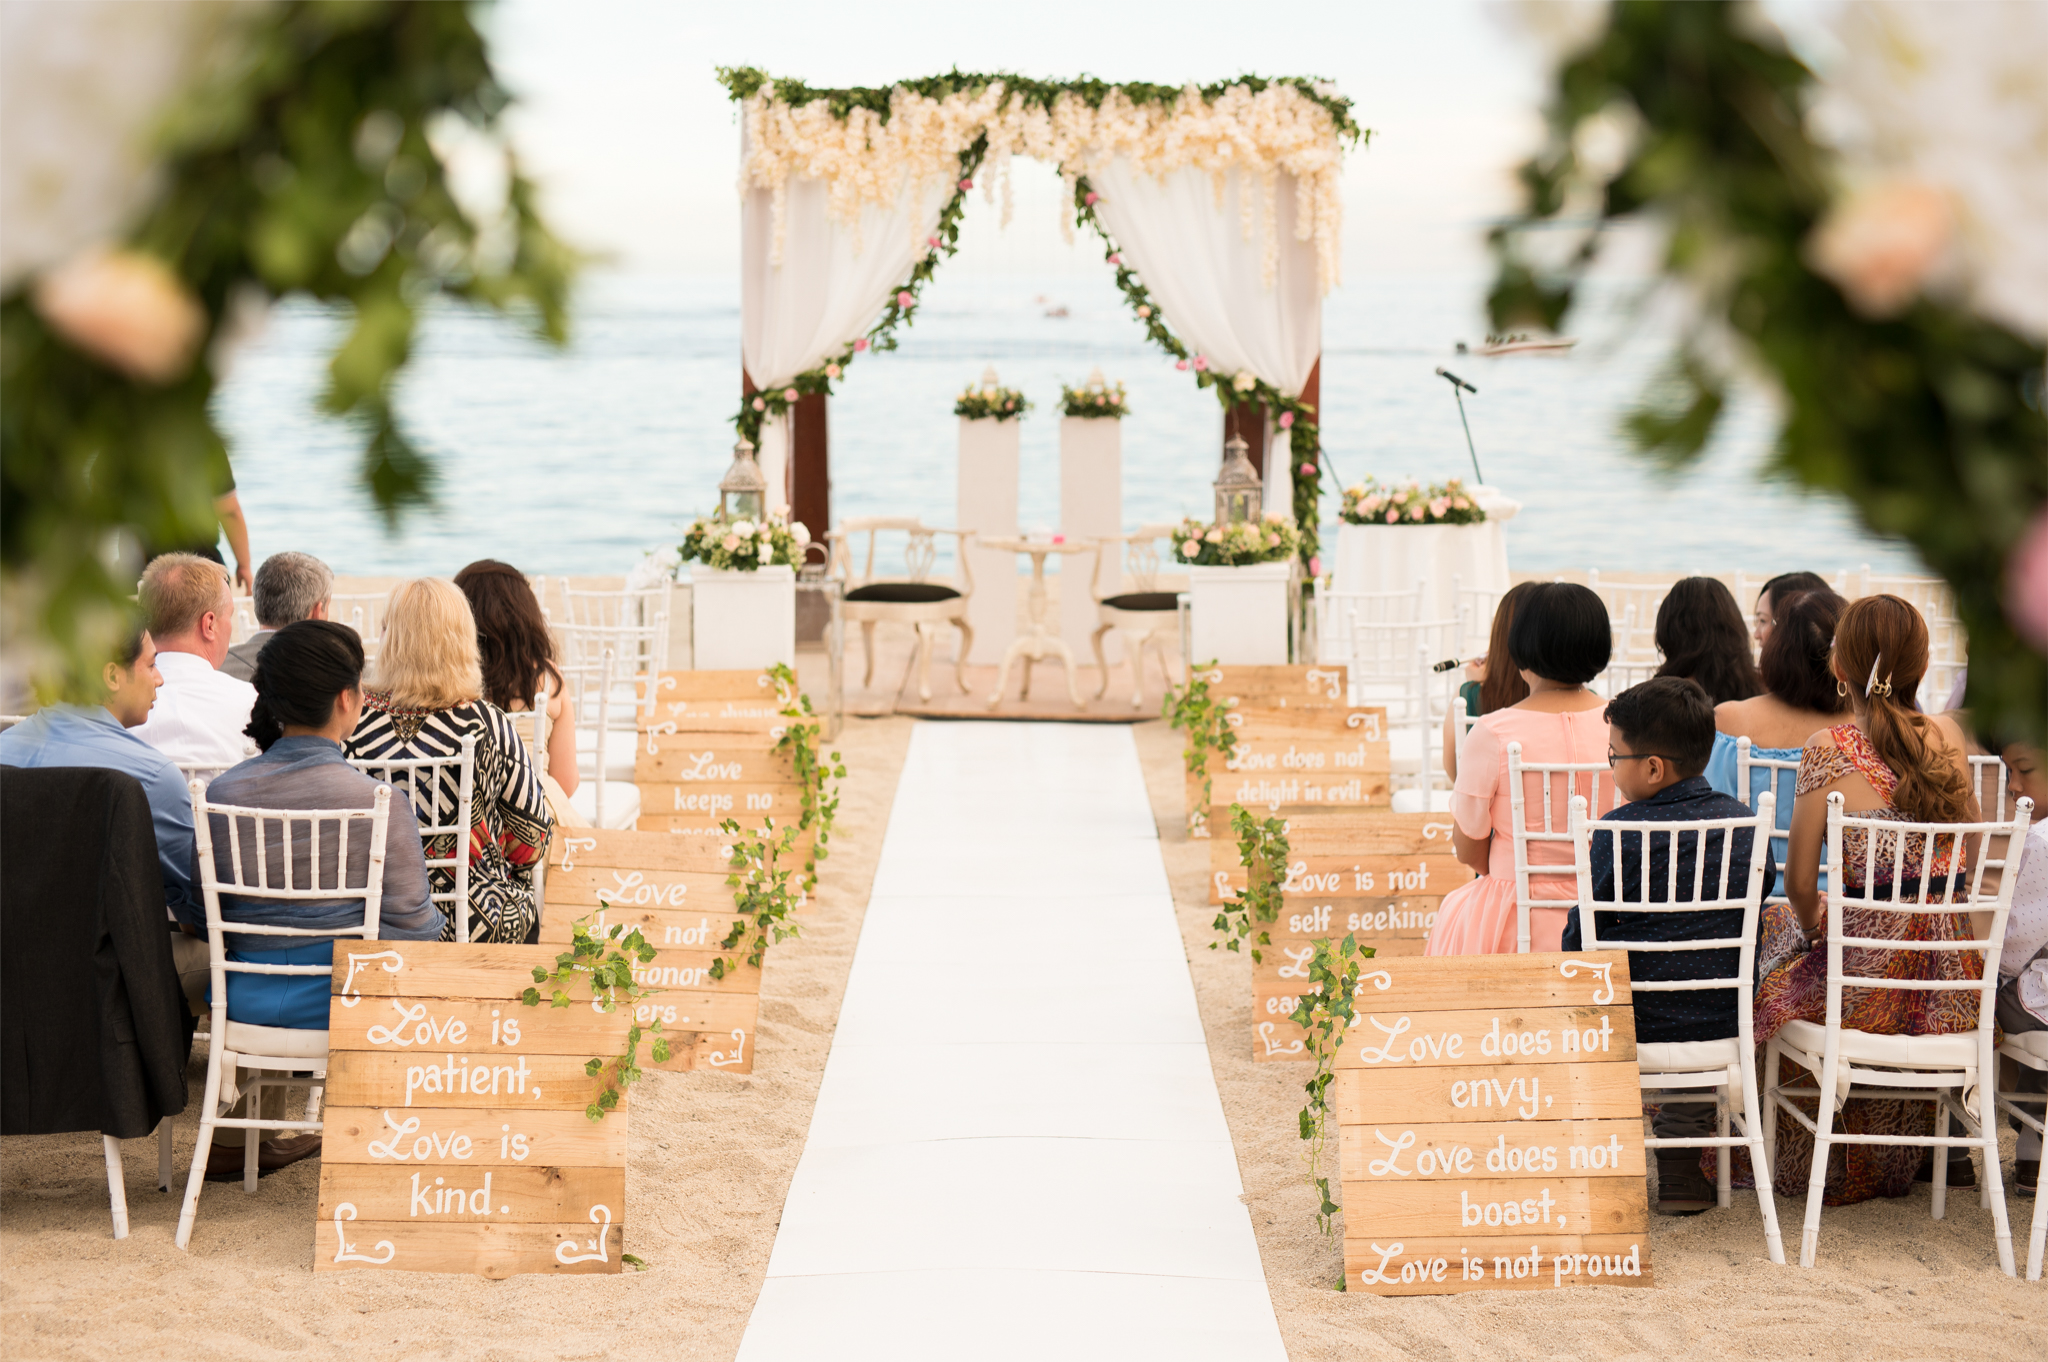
[{"x": 200, "y": 711}]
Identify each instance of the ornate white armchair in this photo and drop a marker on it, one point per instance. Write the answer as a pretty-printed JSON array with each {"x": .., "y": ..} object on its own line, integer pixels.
[
  {"x": 1137, "y": 609},
  {"x": 912, "y": 597}
]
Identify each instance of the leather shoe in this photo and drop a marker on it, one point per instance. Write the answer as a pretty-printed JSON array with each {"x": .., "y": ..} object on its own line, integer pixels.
[{"x": 224, "y": 1162}]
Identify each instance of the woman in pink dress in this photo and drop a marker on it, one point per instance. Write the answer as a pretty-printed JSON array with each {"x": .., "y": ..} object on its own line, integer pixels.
[{"x": 1560, "y": 640}]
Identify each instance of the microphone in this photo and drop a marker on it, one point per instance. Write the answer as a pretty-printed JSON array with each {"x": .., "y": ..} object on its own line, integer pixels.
[
  {"x": 1456, "y": 382},
  {"x": 1446, "y": 665}
]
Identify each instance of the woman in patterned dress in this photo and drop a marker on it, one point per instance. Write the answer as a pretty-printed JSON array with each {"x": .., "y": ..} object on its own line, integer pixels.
[
  {"x": 428, "y": 696},
  {"x": 1888, "y": 762}
]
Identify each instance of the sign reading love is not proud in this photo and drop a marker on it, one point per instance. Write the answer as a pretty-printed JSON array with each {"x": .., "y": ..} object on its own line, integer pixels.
[
  {"x": 1490, "y": 1126},
  {"x": 456, "y": 1138}
]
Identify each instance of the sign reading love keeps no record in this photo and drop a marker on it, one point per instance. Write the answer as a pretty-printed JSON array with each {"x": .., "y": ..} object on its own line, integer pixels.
[
  {"x": 456, "y": 1138},
  {"x": 1490, "y": 1126}
]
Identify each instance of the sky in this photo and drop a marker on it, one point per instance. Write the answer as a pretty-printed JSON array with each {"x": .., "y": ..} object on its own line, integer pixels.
[{"x": 622, "y": 119}]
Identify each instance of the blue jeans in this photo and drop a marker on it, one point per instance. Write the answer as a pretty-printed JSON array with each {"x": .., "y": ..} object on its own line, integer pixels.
[{"x": 294, "y": 1000}]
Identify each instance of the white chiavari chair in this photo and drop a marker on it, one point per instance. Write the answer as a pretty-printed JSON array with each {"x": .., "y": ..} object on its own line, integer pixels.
[
  {"x": 1686, "y": 1072},
  {"x": 532, "y": 727},
  {"x": 1619, "y": 676},
  {"x": 598, "y": 702},
  {"x": 1632, "y": 610},
  {"x": 364, "y": 613},
  {"x": 1955, "y": 1072},
  {"x": 1474, "y": 612},
  {"x": 1391, "y": 663},
  {"x": 2029, "y": 1050},
  {"x": 623, "y": 636},
  {"x": 1337, "y": 611},
  {"x": 419, "y": 781},
  {"x": 1557, "y": 783},
  {"x": 264, "y": 864},
  {"x": 1780, "y": 778}
]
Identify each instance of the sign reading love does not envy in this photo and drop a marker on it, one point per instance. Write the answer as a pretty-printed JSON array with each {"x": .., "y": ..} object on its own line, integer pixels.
[
  {"x": 1489, "y": 1126},
  {"x": 456, "y": 1139}
]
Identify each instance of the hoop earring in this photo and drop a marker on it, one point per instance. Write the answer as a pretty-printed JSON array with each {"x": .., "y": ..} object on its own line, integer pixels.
[{"x": 1841, "y": 688}]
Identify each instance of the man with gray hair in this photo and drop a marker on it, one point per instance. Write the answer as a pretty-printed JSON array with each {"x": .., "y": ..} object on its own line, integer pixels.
[{"x": 289, "y": 587}]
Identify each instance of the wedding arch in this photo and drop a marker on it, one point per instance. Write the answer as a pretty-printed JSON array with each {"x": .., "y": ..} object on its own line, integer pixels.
[{"x": 1219, "y": 207}]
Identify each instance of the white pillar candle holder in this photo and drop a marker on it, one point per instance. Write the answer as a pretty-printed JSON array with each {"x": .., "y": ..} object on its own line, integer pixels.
[
  {"x": 987, "y": 501},
  {"x": 742, "y": 620},
  {"x": 1238, "y": 615},
  {"x": 1091, "y": 506}
]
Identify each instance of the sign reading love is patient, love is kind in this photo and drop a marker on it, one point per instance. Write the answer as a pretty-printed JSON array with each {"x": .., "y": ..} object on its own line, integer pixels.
[
  {"x": 1490, "y": 1126},
  {"x": 456, "y": 1138}
]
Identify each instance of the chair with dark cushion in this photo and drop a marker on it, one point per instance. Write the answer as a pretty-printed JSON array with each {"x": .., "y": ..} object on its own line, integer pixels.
[
  {"x": 1143, "y": 615},
  {"x": 912, "y": 597}
]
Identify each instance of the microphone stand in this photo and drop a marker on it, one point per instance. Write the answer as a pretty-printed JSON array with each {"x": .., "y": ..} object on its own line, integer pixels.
[{"x": 1459, "y": 387}]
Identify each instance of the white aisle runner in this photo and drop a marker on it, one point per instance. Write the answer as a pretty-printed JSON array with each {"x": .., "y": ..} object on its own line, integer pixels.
[{"x": 1018, "y": 1150}]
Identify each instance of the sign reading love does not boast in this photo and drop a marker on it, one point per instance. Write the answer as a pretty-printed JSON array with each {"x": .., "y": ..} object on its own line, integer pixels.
[
  {"x": 1490, "y": 1126},
  {"x": 456, "y": 1139},
  {"x": 673, "y": 889}
]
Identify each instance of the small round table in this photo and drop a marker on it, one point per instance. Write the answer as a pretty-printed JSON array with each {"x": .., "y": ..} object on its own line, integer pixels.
[{"x": 1038, "y": 642}]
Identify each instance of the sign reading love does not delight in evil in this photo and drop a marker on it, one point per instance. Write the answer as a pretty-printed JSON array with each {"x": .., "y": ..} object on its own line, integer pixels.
[
  {"x": 1490, "y": 1126},
  {"x": 456, "y": 1139}
]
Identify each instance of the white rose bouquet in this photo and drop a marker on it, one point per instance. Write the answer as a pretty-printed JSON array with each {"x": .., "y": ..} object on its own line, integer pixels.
[
  {"x": 744, "y": 545},
  {"x": 1373, "y": 502},
  {"x": 1197, "y": 543}
]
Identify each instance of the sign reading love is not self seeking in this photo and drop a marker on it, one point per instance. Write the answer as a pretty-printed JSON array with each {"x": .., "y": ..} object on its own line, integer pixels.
[
  {"x": 1490, "y": 1126},
  {"x": 456, "y": 1137}
]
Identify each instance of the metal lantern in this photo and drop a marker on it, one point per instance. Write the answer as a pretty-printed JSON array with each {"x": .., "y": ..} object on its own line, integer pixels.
[
  {"x": 1238, "y": 492},
  {"x": 742, "y": 492}
]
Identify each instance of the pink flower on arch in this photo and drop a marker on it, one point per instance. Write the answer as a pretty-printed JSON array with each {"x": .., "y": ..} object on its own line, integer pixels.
[
  {"x": 860, "y": 343},
  {"x": 1201, "y": 364},
  {"x": 1308, "y": 470},
  {"x": 1144, "y": 310},
  {"x": 1115, "y": 258},
  {"x": 966, "y": 184},
  {"x": 1090, "y": 198},
  {"x": 831, "y": 371},
  {"x": 1315, "y": 565},
  {"x": 759, "y": 405},
  {"x": 790, "y": 394},
  {"x": 932, "y": 241},
  {"x": 1286, "y": 419},
  {"x": 1181, "y": 364},
  {"x": 904, "y": 299}
]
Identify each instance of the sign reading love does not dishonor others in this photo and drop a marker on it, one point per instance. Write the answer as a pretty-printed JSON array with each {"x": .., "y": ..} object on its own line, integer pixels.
[
  {"x": 1490, "y": 1126},
  {"x": 456, "y": 1137}
]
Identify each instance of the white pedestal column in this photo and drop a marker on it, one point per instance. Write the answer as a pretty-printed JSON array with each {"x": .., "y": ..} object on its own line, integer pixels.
[
  {"x": 1091, "y": 505},
  {"x": 988, "y": 506},
  {"x": 1238, "y": 615},
  {"x": 743, "y": 620}
]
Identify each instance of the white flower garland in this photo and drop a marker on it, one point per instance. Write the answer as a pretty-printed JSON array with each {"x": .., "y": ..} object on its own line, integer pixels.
[{"x": 865, "y": 160}]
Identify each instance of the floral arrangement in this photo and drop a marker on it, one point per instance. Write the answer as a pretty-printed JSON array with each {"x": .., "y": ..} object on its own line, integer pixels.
[
  {"x": 1197, "y": 543},
  {"x": 1095, "y": 399},
  {"x": 989, "y": 402},
  {"x": 864, "y": 142},
  {"x": 744, "y": 545},
  {"x": 1373, "y": 502}
]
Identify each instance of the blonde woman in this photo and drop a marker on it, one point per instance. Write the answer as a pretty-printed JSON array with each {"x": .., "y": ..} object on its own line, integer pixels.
[{"x": 426, "y": 696}]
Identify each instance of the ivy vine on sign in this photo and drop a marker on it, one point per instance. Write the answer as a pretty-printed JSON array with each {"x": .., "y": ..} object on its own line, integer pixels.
[
  {"x": 1325, "y": 1011},
  {"x": 802, "y": 740},
  {"x": 1262, "y": 847},
  {"x": 761, "y": 892},
  {"x": 606, "y": 963},
  {"x": 1206, "y": 721}
]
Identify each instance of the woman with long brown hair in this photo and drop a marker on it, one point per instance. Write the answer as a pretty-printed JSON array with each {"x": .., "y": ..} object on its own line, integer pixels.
[
  {"x": 1701, "y": 633},
  {"x": 518, "y": 657},
  {"x": 1888, "y": 762},
  {"x": 1488, "y": 687}
]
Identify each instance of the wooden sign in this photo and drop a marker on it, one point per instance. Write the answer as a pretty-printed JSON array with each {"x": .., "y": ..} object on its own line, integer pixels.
[
  {"x": 717, "y": 759},
  {"x": 456, "y": 1139},
  {"x": 673, "y": 889},
  {"x": 716, "y": 702},
  {"x": 1279, "y": 723},
  {"x": 1490, "y": 1126},
  {"x": 688, "y": 807},
  {"x": 1321, "y": 757},
  {"x": 1277, "y": 687},
  {"x": 1391, "y": 926},
  {"x": 1321, "y": 877},
  {"x": 1297, "y": 759}
]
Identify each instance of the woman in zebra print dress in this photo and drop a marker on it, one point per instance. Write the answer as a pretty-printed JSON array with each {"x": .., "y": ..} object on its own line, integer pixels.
[{"x": 428, "y": 696}]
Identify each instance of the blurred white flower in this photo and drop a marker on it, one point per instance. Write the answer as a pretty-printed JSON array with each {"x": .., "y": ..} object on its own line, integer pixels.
[
  {"x": 743, "y": 527},
  {"x": 1952, "y": 97},
  {"x": 1882, "y": 242},
  {"x": 799, "y": 532},
  {"x": 125, "y": 308}
]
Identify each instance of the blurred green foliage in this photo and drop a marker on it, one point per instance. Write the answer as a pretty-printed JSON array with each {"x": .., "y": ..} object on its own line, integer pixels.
[
  {"x": 1930, "y": 423},
  {"x": 307, "y": 163}
]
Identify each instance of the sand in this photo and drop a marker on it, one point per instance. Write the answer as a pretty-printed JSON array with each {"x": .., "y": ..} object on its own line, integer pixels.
[
  {"x": 1890, "y": 1282},
  {"x": 711, "y": 1160}
]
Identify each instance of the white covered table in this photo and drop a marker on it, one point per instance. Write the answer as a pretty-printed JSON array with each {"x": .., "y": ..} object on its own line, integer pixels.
[{"x": 1444, "y": 558}]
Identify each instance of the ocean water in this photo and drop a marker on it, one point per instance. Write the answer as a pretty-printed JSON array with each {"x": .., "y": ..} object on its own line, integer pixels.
[{"x": 582, "y": 459}]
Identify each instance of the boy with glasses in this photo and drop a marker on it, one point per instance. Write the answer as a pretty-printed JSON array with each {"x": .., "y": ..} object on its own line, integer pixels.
[{"x": 1660, "y": 735}]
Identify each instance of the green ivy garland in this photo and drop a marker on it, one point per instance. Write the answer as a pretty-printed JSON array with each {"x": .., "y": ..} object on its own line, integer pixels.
[
  {"x": 1206, "y": 721},
  {"x": 1930, "y": 422},
  {"x": 605, "y": 964},
  {"x": 762, "y": 893},
  {"x": 1262, "y": 849},
  {"x": 1325, "y": 1010},
  {"x": 1293, "y": 415},
  {"x": 802, "y": 741}
]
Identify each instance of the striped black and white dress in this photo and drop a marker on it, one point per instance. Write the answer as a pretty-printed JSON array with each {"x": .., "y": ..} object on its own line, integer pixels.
[{"x": 510, "y": 821}]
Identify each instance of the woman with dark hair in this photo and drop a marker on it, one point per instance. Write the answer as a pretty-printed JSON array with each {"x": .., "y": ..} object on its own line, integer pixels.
[
  {"x": 1487, "y": 689},
  {"x": 309, "y": 694},
  {"x": 1775, "y": 593},
  {"x": 518, "y": 657},
  {"x": 1799, "y": 697},
  {"x": 1558, "y": 640},
  {"x": 1700, "y": 633},
  {"x": 1887, "y": 762}
]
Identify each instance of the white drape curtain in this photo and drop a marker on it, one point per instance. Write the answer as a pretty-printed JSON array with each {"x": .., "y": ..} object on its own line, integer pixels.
[
  {"x": 827, "y": 290},
  {"x": 1210, "y": 281}
]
